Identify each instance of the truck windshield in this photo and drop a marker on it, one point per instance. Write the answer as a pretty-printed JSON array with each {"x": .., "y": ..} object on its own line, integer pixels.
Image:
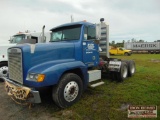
[
  {"x": 17, "y": 38},
  {"x": 66, "y": 33}
]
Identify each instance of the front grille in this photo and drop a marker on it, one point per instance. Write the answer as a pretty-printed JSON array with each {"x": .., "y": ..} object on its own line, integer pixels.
[{"x": 15, "y": 64}]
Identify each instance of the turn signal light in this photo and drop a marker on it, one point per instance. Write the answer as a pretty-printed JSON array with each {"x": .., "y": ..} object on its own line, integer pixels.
[{"x": 40, "y": 77}]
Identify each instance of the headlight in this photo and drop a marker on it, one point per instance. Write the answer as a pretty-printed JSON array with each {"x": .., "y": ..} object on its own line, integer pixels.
[{"x": 35, "y": 77}]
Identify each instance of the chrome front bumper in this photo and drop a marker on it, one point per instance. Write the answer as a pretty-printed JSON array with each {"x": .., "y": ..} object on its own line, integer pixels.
[{"x": 35, "y": 94}]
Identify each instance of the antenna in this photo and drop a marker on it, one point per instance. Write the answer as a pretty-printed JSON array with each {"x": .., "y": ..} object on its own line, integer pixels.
[{"x": 72, "y": 20}]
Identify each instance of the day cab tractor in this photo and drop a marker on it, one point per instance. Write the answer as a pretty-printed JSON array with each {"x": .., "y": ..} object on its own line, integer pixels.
[
  {"x": 75, "y": 58},
  {"x": 20, "y": 38}
]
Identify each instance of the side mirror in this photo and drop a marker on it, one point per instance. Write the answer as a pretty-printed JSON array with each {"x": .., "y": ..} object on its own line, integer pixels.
[
  {"x": 11, "y": 39},
  {"x": 98, "y": 31},
  {"x": 85, "y": 36}
]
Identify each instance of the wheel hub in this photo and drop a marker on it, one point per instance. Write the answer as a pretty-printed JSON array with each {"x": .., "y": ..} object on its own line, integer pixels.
[
  {"x": 3, "y": 71},
  {"x": 71, "y": 91}
]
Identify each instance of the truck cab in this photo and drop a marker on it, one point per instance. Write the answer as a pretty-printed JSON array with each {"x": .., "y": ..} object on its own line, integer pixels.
[
  {"x": 19, "y": 38},
  {"x": 84, "y": 47},
  {"x": 37, "y": 36},
  {"x": 68, "y": 64}
]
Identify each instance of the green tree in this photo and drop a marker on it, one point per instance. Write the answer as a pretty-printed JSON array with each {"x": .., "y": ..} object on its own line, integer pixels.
[{"x": 113, "y": 42}]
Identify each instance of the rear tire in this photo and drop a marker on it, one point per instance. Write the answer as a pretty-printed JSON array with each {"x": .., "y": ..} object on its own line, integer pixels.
[
  {"x": 68, "y": 91},
  {"x": 131, "y": 67},
  {"x": 123, "y": 73},
  {"x": 3, "y": 70}
]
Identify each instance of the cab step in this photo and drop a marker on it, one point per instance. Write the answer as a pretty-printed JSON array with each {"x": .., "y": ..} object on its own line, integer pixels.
[
  {"x": 96, "y": 84},
  {"x": 94, "y": 78},
  {"x": 94, "y": 75}
]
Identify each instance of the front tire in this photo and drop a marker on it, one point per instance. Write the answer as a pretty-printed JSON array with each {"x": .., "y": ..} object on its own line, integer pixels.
[
  {"x": 3, "y": 70},
  {"x": 68, "y": 91}
]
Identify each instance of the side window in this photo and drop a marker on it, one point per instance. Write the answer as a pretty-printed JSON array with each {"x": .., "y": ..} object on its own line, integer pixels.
[
  {"x": 89, "y": 33},
  {"x": 57, "y": 36},
  {"x": 120, "y": 48},
  {"x": 36, "y": 38},
  {"x": 68, "y": 34}
]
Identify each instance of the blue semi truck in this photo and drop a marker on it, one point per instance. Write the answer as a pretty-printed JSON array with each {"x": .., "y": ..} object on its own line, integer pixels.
[{"x": 75, "y": 58}]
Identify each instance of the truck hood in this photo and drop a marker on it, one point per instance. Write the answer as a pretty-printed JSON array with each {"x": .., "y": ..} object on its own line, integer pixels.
[
  {"x": 127, "y": 50},
  {"x": 51, "y": 51},
  {"x": 40, "y": 53}
]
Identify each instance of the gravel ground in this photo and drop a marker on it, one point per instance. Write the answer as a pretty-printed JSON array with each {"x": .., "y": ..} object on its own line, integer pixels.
[{"x": 9, "y": 110}]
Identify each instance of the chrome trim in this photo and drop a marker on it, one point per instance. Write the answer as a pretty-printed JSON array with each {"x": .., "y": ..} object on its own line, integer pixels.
[{"x": 15, "y": 67}]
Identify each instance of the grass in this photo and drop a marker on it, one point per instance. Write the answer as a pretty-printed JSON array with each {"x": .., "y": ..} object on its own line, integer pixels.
[{"x": 105, "y": 102}]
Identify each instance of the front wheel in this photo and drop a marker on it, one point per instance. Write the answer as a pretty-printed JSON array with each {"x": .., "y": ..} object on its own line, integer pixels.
[
  {"x": 3, "y": 70},
  {"x": 68, "y": 91}
]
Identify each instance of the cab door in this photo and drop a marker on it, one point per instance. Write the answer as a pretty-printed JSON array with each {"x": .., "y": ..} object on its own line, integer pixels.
[
  {"x": 90, "y": 48},
  {"x": 120, "y": 51}
]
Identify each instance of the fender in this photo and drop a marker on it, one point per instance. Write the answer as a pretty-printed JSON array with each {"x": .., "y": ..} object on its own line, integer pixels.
[{"x": 54, "y": 70}]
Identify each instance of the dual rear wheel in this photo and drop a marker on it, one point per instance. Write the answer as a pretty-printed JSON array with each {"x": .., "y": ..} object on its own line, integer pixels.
[
  {"x": 131, "y": 67},
  {"x": 127, "y": 70}
]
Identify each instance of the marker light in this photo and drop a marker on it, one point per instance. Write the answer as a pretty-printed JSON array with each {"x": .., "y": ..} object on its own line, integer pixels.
[
  {"x": 35, "y": 77},
  {"x": 40, "y": 77}
]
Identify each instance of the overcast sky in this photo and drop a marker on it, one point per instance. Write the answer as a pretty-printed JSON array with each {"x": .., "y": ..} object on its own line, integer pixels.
[{"x": 139, "y": 19}]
